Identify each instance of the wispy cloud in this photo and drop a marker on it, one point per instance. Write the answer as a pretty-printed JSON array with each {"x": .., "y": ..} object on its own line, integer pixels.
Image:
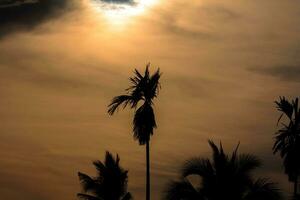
[{"x": 283, "y": 72}]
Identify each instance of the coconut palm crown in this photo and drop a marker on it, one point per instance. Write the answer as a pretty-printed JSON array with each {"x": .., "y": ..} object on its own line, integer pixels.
[
  {"x": 287, "y": 138},
  {"x": 143, "y": 90},
  {"x": 109, "y": 184},
  {"x": 222, "y": 177}
]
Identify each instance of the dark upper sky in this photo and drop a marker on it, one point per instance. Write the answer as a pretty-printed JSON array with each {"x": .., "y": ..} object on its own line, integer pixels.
[
  {"x": 223, "y": 62},
  {"x": 25, "y": 15}
]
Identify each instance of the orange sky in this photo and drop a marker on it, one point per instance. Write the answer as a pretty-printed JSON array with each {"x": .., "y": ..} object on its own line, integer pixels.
[{"x": 223, "y": 65}]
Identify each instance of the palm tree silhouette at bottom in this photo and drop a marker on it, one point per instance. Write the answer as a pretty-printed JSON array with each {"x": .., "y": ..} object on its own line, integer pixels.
[
  {"x": 224, "y": 177},
  {"x": 110, "y": 183},
  {"x": 287, "y": 140}
]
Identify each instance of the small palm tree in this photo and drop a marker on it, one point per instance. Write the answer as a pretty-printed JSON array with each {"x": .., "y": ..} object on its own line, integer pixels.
[
  {"x": 140, "y": 97},
  {"x": 109, "y": 184},
  {"x": 224, "y": 177},
  {"x": 287, "y": 139}
]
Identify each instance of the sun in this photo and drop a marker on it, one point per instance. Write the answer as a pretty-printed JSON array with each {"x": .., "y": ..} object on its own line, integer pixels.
[{"x": 119, "y": 13}]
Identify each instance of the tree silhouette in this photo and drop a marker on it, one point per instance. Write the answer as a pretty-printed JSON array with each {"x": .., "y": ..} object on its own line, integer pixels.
[
  {"x": 140, "y": 96},
  {"x": 287, "y": 139},
  {"x": 223, "y": 177},
  {"x": 109, "y": 184}
]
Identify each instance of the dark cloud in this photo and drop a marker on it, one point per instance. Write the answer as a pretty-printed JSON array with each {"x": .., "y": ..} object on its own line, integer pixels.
[
  {"x": 119, "y": 1},
  {"x": 16, "y": 15},
  {"x": 284, "y": 72}
]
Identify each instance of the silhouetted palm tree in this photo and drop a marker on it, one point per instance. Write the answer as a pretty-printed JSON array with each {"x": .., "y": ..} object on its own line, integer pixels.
[
  {"x": 141, "y": 94},
  {"x": 224, "y": 177},
  {"x": 109, "y": 184},
  {"x": 287, "y": 140}
]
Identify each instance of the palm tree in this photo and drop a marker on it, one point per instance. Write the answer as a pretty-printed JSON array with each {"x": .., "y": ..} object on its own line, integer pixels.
[
  {"x": 109, "y": 184},
  {"x": 140, "y": 96},
  {"x": 287, "y": 139},
  {"x": 222, "y": 177}
]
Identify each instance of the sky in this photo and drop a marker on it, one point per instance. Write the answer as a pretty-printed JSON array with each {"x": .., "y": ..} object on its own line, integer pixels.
[{"x": 223, "y": 65}]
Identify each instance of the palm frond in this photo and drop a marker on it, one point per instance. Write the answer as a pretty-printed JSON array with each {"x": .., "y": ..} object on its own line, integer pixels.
[
  {"x": 283, "y": 139},
  {"x": 181, "y": 190},
  {"x": 127, "y": 196},
  {"x": 118, "y": 101},
  {"x": 295, "y": 106},
  {"x": 146, "y": 75},
  {"x": 88, "y": 183},
  {"x": 215, "y": 149},
  {"x": 101, "y": 170},
  {"x": 88, "y": 197},
  {"x": 136, "y": 79},
  {"x": 213, "y": 146},
  {"x": 262, "y": 189},
  {"x": 137, "y": 89},
  {"x": 220, "y": 159},
  {"x": 138, "y": 74},
  {"x": 154, "y": 84},
  {"x": 197, "y": 166},
  {"x": 284, "y": 106},
  {"x": 235, "y": 153},
  {"x": 248, "y": 162},
  {"x": 111, "y": 162}
]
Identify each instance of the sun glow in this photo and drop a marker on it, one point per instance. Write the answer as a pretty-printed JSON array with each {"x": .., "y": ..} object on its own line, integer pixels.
[{"x": 118, "y": 13}]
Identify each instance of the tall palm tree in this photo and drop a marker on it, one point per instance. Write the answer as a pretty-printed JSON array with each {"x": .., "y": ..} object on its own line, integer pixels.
[
  {"x": 287, "y": 139},
  {"x": 221, "y": 178},
  {"x": 140, "y": 96},
  {"x": 109, "y": 184}
]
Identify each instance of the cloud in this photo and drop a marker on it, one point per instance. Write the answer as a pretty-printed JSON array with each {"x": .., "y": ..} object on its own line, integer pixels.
[
  {"x": 26, "y": 15},
  {"x": 119, "y": 1},
  {"x": 284, "y": 72},
  {"x": 185, "y": 23}
]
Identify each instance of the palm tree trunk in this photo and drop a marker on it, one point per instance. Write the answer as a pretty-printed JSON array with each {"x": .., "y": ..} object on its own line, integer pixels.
[
  {"x": 296, "y": 186},
  {"x": 147, "y": 171}
]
